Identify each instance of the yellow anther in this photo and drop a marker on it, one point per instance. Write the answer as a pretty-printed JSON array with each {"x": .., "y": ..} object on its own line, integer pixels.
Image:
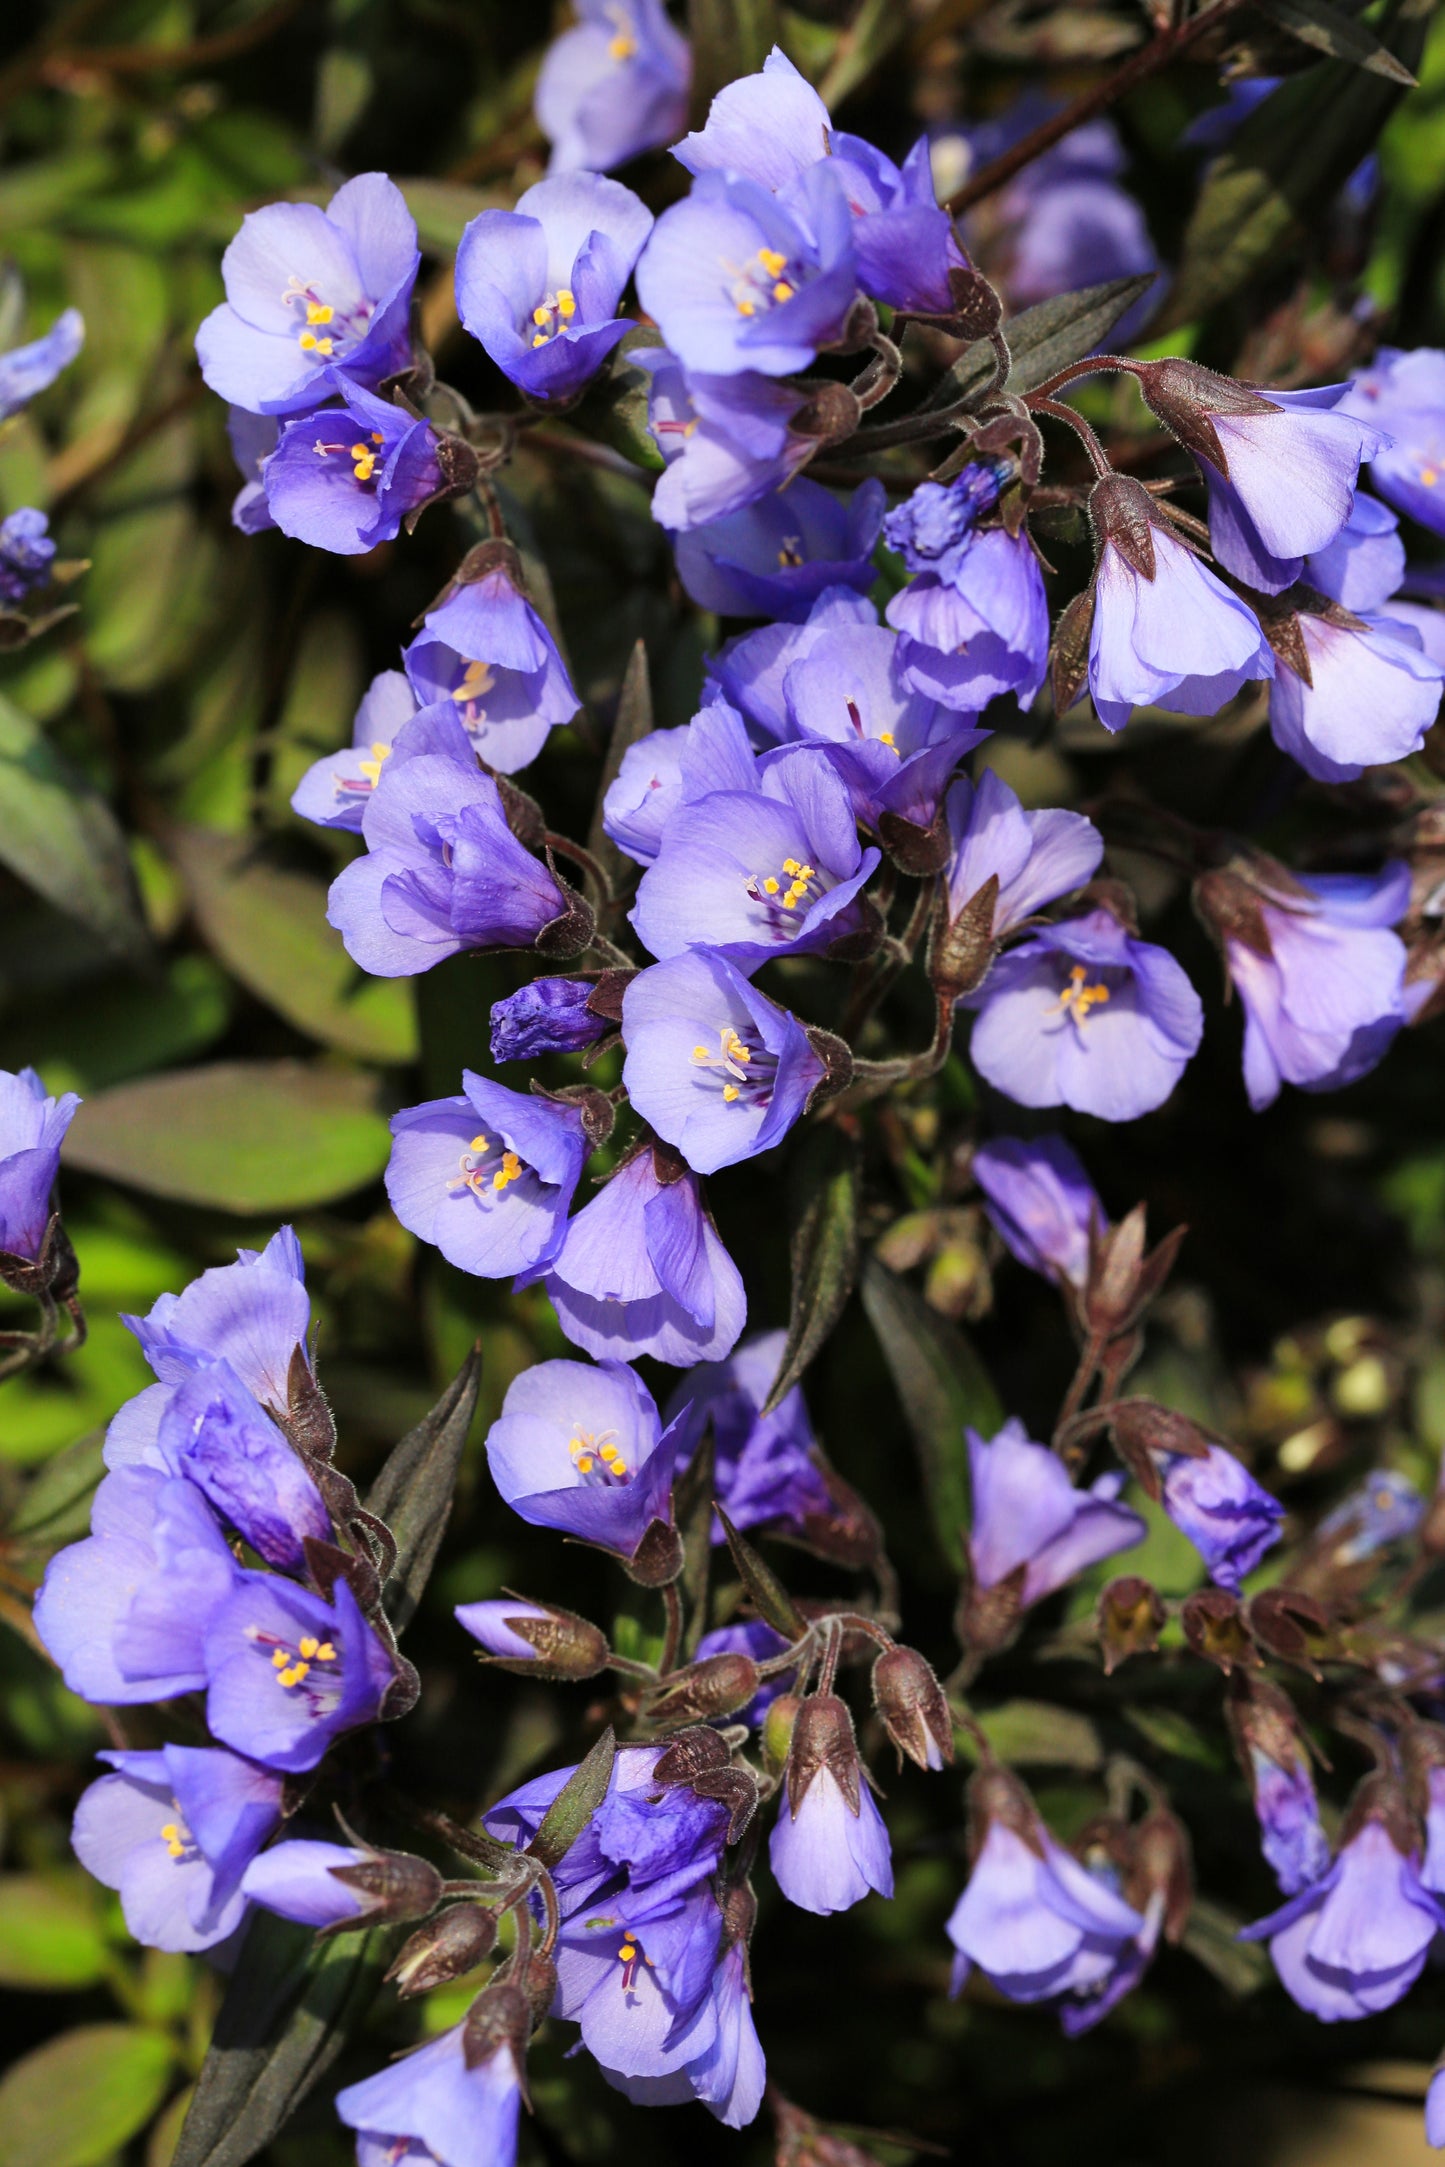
[
  {"x": 790, "y": 556},
  {"x": 773, "y": 261},
  {"x": 731, "y": 1092},
  {"x": 293, "y": 1674},
  {"x": 310, "y": 344},
  {"x": 627, "y": 1952},
  {"x": 566, "y": 303},
  {"x": 771, "y": 886},
  {"x": 318, "y": 312},
  {"x": 700, "y": 1053},
  {"x": 478, "y": 1143},
  {"x": 584, "y": 1464},
  {"x": 619, "y": 1467},
  {"x": 326, "y": 1653},
  {"x": 607, "y": 1452},
  {"x": 783, "y": 291},
  {"x": 377, "y": 437},
  {"x": 621, "y": 47},
  {"x": 509, "y": 1170},
  {"x": 788, "y": 901},
  {"x": 1078, "y": 997},
  {"x": 790, "y": 865},
  {"x": 309, "y": 1645},
  {"x": 280, "y": 1658},
  {"x": 885, "y": 737},
  {"x": 1429, "y": 476},
  {"x": 747, "y": 308},
  {"x": 540, "y": 339},
  {"x": 173, "y": 1839},
  {"x": 542, "y": 314},
  {"x": 372, "y": 765}
]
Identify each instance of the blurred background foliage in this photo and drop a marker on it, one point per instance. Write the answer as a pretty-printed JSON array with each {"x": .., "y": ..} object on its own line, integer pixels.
[{"x": 163, "y": 949}]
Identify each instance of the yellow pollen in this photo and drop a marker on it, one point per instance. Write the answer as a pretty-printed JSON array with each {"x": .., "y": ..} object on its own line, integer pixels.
[
  {"x": 885, "y": 737},
  {"x": 607, "y": 1452},
  {"x": 172, "y": 1839},
  {"x": 365, "y": 459},
  {"x": 280, "y": 1658},
  {"x": 326, "y": 1653},
  {"x": 619, "y": 1467},
  {"x": 621, "y": 47},
  {"x": 783, "y": 291},
  {"x": 1079, "y": 998},
  {"x": 476, "y": 681},
  {"x": 309, "y": 1646},
  {"x": 731, "y": 1092},
  {"x": 627, "y": 1952},
  {"x": 790, "y": 556},
  {"x": 293, "y": 1674},
  {"x": 700, "y": 1053},
  {"x": 1429, "y": 476},
  {"x": 509, "y": 1170},
  {"x": 747, "y": 308},
  {"x": 771, "y": 886},
  {"x": 790, "y": 865},
  {"x": 788, "y": 901},
  {"x": 566, "y": 304},
  {"x": 317, "y": 312},
  {"x": 540, "y": 339},
  {"x": 772, "y": 261},
  {"x": 310, "y": 344},
  {"x": 371, "y": 767},
  {"x": 542, "y": 314},
  {"x": 584, "y": 1464},
  {"x": 478, "y": 1143}
]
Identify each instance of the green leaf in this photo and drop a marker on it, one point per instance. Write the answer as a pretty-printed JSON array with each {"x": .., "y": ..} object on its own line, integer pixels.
[
  {"x": 575, "y": 1803},
  {"x": 874, "y": 31},
  {"x": 634, "y": 721},
  {"x": 268, "y": 926},
  {"x": 243, "y": 1136},
  {"x": 79, "y": 2098},
  {"x": 823, "y": 1247},
  {"x": 944, "y": 1388},
  {"x": 616, "y": 407},
  {"x": 126, "y": 1027},
  {"x": 413, "y": 1492},
  {"x": 51, "y": 1935},
  {"x": 1043, "y": 339},
  {"x": 1260, "y": 200},
  {"x": 444, "y": 209},
  {"x": 291, "y": 2003},
  {"x": 60, "y": 837},
  {"x": 55, "y": 1508},
  {"x": 769, "y": 1597},
  {"x": 1317, "y": 23},
  {"x": 1212, "y": 1939},
  {"x": 729, "y": 38},
  {"x": 1035, "y": 1734}
]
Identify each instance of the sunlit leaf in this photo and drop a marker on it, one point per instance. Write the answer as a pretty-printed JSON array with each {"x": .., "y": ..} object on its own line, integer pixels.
[{"x": 79, "y": 2098}]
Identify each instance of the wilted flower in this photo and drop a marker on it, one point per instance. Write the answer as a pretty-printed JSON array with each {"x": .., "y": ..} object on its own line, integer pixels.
[{"x": 549, "y": 1015}]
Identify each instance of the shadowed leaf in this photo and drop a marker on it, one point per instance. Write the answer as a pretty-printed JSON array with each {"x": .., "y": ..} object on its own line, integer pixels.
[
  {"x": 59, "y": 836},
  {"x": 1317, "y": 23},
  {"x": 414, "y": 1490},
  {"x": 75, "y": 2101},
  {"x": 634, "y": 721},
  {"x": 823, "y": 1214},
  {"x": 1044, "y": 338},
  {"x": 575, "y": 1803},
  {"x": 769, "y": 1597}
]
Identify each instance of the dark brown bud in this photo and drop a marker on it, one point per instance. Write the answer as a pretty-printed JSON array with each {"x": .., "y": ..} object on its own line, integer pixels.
[
  {"x": 716, "y": 1686},
  {"x": 306, "y": 1418},
  {"x": 823, "y": 1739},
  {"x": 1123, "y": 1279},
  {"x": 568, "y": 1647},
  {"x": 1184, "y": 395},
  {"x": 836, "y": 1056},
  {"x": 913, "y": 1707},
  {"x": 395, "y": 1885},
  {"x": 501, "y": 2016},
  {"x": 802, "y": 2141},
  {"x": 599, "y": 1115},
  {"x": 1264, "y": 1724},
  {"x": 1069, "y": 654},
  {"x": 1145, "y": 1434},
  {"x": 1215, "y": 1628},
  {"x": 658, "y": 1558},
  {"x": 1129, "y": 1620},
  {"x": 996, "y": 1794},
  {"x": 1122, "y": 511},
  {"x": 831, "y": 415},
  {"x": 740, "y": 1911},
  {"x": 54, "y": 1271},
  {"x": 914, "y": 850},
  {"x": 848, "y": 1532},
  {"x": 963, "y": 947},
  {"x": 1294, "y": 1627},
  {"x": 701, "y": 1759},
  {"x": 605, "y": 999},
  {"x": 451, "y": 1944},
  {"x": 539, "y": 1983},
  {"x": 1381, "y": 1798},
  {"x": 987, "y": 1618},
  {"x": 571, "y": 931},
  {"x": 976, "y": 309}
]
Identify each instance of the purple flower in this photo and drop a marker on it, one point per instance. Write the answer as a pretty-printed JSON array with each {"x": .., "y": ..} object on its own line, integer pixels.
[
  {"x": 433, "y": 2105},
  {"x": 214, "y": 1432},
  {"x": 491, "y": 1623},
  {"x": 538, "y": 287},
  {"x": 1365, "y": 562},
  {"x": 894, "y": 747},
  {"x": 486, "y": 650},
  {"x": 750, "y": 670},
  {"x": 125, "y": 1612},
  {"x": 487, "y": 1178},
  {"x": 903, "y": 240},
  {"x": 1371, "y": 694},
  {"x": 714, "y": 1066},
  {"x": 1293, "y": 1843},
  {"x": 775, "y": 558},
  {"x": 1288, "y": 484},
  {"x": 443, "y": 872},
  {"x": 668, "y": 769},
  {"x": 978, "y": 629},
  {"x": 766, "y": 1466},
  {"x": 309, "y": 290},
  {"x": 773, "y": 872},
  {"x": 32, "y": 1126},
  {"x": 769, "y": 127},
  {"x": 933, "y": 530},
  {"x": 1230, "y": 1519},
  {"x": 829, "y": 1845},
  {"x": 1041, "y": 1203},
  {"x": 1088, "y": 2001},
  {"x": 584, "y": 1450},
  {"x": 253, "y": 439},
  {"x": 1432, "y": 1873},
  {"x": 642, "y": 1271},
  {"x": 1085, "y": 1015},
  {"x": 1028, "y": 1516},
  {"x": 1403, "y": 395},
  {"x": 26, "y": 371},
  {"x": 726, "y": 440},
  {"x": 1180, "y": 641},
  {"x": 295, "y": 1879},
  {"x": 289, "y": 1672},
  {"x": 645, "y": 1839},
  {"x": 550, "y": 1015},
  {"x": 1355, "y": 1941},
  {"x": 26, "y": 553},
  {"x": 1036, "y": 857},
  {"x": 174, "y": 1832},
  {"x": 613, "y": 86},
  {"x": 334, "y": 791},
  {"x": 737, "y": 278},
  {"x": 1321, "y": 1008},
  {"x": 635, "y": 1972},
  {"x": 1382, "y": 1510},
  {"x": 755, "y": 1639},
  {"x": 345, "y": 477},
  {"x": 1435, "y": 2110}
]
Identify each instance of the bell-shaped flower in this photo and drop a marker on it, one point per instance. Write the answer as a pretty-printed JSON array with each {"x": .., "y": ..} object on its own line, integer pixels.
[
  {"x": 1229, "y": 1517},
  {"x": 335, "y": 790},
  {"x": 613, "y": 86},
  {"x": 766, "y": 1466},
  {"x": 726, "y": 440},
  {"x": 551, "y": 1015},
  {"x": 776, "y": 871},
  {"x": 903, "y": 240},
  {"x": 1355, "y": 1941},
  {"x": 1041, "y": 1203},
  {"x": 1383, "y": 1510},
  {"x": 1370, "y": 694},
  {"x": 289, "y": 1672},
  {"x": 487, "y": 1177},
  {"x": 309, "y": 291},
  {"x": 26, "y": 371},
  {"x": 667, "y": 769},
  {"x": 173, "y": 1832},
  {"x": 32, "y": 1128},
  {"x": 980, "y": 629},
  {"x": 1290, "y": 1836},
  {"x": 1085, "y": 1015},
  {"x": 297, "y": 1881},
  {"x": 584, "y": 1450},
  {"x": 769, "y": 127},
  {"x": 750, "y": 670},
  {"x": 538, "y": 286},
  {"x": 895, "y": 748},
  {"x": 1029, "y": 1518},
  {"x": 829, "y": 1845},
  {"x": 443, "y": 872},
  {"x": 438, "y": 2105},
  {"x": 27, "y": 551},
  {"x": 1321, "y": 978},
  {"x": 125, "y": 1612},
  {"x": 1403, "y": 395},
  {"x": 1036, "y": 857},
  {"x": 254, "y": 1314},
  {"x": 737, "y": 278},
  {"x": 713, "y": 1066},
  {"x": 486, "y": 650},
  {"x": 642, "y": 1270},
  {"x": 345, "y": 477},
  {"x": 775, "y": 557},
  {"x": 214, "y": 1432},
  {"x": 1365, "y": 563}
]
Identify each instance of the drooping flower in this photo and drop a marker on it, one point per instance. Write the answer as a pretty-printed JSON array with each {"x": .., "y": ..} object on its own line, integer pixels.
[
  {"x": 975, "y": 619},
  {"x": 436, "y": 2105},
  {"x": 775, "y": 557},
  {"x": 829, "y": 1845},
  {"x": 538, "y": 286},
  {"x": 642, "y": 1271},
  {"x": 765, "y": 1467},
  {"x": 296, "y": 1880},
  {"x": 583, "y": 1449},
  {"x": 1029, "y": 1517},
  {"x": 1085, "y": 1015},
  {"x": 614, "y": 85},
  {"x": 289, "y": 1672},
  {"x": 344, "y": 477},
  {"x": 1403, "y": 395},
  {"x": 1291, "y": 1838},
  {"x": 309, "y": 291},
  {"x": 726, "y": 440},
  {"x": 1370, "y": 695},
  {"x": 1041, "y": 1203},
  {"x": 1365, "y": 563},
  {"x": 26, "y": 553},
  {"x": 904, "y": 241},
  {"x": 714, "y": 1066},
  {"x": 750, "y": 670},
  {"x": 1229, "y": 1517},
  {"x": 334, "y": 791},
  {"x": 668, "y": 769},
  {"x": 551, "y": 1015},
  {"x": 26, "y": 371},
  {"x": 487, "y": 1177},
  {"x": 773, "y": 872},
  {"x": 443, "y": 872},
  {"x": 1036, "y": 857},
  {"x": 32, "y": 1127},
  {"x": 647, "y": 1838},
  {"x": 214, "y": 1432},
  {"x": 174, "y": 1832}
]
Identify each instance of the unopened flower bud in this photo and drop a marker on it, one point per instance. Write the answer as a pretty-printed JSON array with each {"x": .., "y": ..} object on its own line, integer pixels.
[
  {"x": 1162, "y": 1866},
  {"x": 822, "y": 1739},
  {"x": 716, "y": 1686},
  {"x": 1291, "y": 1625},
  {"x": 657, "y": 1560},
  {"x": 911, "y": 1702},
  {"x": 1122, "y": 1279},
  {"x": 538, "y": 1638},
  {"x": 395, "y": 1884},
  {"x": 1214, "y": 1626},
  {"x": 777, "y": 1732},
  {"x": 501, "y": 2016},
  {"x": 1129, "y": 1620},
  {"x": 452, "y": 1943}
]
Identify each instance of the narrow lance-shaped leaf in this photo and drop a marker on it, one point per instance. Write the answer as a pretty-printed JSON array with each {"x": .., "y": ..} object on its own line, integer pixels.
[
  {"x": 769, "y": 1597},
  {"x": 59, "y": 836},
  {"x": 823, "y": 1213},
  {"x": 944, "y": 1389},
  {"x": 634, "y": 721},
  {"x": 1044, "y": 338},
  {"x": 616, "y": 406},
  {"x": 413, "y": 1492},
  {"x": 575, "y": 1804},
  {"x": 1329, "y": 30}
]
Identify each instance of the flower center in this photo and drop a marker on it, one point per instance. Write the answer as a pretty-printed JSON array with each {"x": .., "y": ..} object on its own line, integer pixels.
[
  {"x": 324, "y": 331},
  {"x": 598, "y": 1459},
  {"x": 884, "y": 737},
  {"x": 292, "y": 1666},
  {"x": 179, "y": 1842},
  {"x": 784, "y": 891},
  {"x": 762, "y": 283},
  {"x": 790, "y": 556},
  {"x": 1078, "y": 997},
  {"x": 552, "y": 314},
  {"x": 747, "y": 1069},
  {"x": 362, "y": 455},
  {"x": 477, "y": 682},
  {"x": 487, "y": 1169}
]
